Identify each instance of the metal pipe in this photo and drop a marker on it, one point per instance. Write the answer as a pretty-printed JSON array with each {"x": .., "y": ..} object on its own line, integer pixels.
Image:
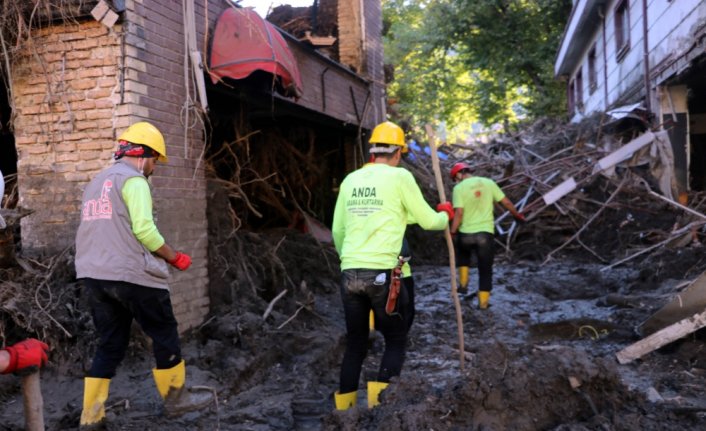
[
  {"x": 355, "y": 104},
  {"x": 645, "y": 46},
  {"x": 323, "y": 89},
  {"x": 605, "y": 60}
]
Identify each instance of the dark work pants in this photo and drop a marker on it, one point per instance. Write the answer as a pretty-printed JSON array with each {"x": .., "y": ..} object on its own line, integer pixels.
[
  {"x": 408, "y": 284},
  {"x": 360, "y": 294},
  {"x": 480, "y": 244},
  {"x": 113, "y": 305}
]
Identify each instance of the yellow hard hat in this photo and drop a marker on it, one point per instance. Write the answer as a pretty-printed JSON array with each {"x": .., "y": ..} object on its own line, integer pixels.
[
  {"x": 144, "y": 133},
  {"x": 389, "y": 133}
]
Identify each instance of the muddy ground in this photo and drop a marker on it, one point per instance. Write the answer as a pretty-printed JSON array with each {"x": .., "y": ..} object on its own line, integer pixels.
[{"x": 547, "y": 325}]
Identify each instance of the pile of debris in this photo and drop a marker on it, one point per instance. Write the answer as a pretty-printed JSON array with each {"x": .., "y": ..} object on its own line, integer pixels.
[{"x": 585, "y": 191}]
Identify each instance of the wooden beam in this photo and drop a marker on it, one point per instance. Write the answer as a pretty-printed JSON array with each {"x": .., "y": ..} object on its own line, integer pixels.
[
  {"x": 661, "y": 338},
  {"x": 559, "y": 191},
  {"x": 624, "y": 152}
]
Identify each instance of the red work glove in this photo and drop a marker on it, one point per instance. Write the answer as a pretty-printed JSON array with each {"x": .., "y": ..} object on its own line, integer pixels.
[
  {"x": 447, "y": 208},
  {"x": 26, "y": 354},
  {"x": 520, "y": 218},
  {"x": 181, "y": 261}
]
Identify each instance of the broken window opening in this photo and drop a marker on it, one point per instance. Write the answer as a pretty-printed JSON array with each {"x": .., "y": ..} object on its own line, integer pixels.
[{"x": 622, "y": 29}]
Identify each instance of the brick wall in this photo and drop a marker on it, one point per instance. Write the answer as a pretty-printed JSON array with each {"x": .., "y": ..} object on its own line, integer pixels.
[
  {"x": 350, "y": 34},
  {"x": 65, "y": 88},
  {"x": 360, "y": 46},
  {"x": 76, "y": 88},
  {"x": 374, "y": 56},
  {"x": 156, "y": 90}
]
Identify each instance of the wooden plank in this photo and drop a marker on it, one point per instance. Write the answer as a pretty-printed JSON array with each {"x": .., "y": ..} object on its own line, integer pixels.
[
  {"x": 662, "y": 338},
  {"x": 625, "y": 152},
  {"x": 559, "y": 191}
]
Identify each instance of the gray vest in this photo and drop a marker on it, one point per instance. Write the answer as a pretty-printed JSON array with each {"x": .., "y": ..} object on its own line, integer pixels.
[{"x": 106, "y": 248}]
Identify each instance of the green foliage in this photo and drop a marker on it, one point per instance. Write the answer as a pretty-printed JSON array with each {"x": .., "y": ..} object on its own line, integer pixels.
[{"x": 462, "y": 61}]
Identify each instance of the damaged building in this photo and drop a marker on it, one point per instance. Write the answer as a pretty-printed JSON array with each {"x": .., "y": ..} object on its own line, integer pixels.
[
  {"x": 642, "y": 61},
  {"x": 294, "y": 121}
]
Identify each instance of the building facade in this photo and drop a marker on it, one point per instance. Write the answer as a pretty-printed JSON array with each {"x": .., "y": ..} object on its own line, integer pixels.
[
  {"x": 78, "y": 83},
  {"x": 647, "y": 52}
]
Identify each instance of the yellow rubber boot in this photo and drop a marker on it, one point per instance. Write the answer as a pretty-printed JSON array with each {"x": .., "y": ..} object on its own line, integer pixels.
[
  {"x": 374, "y": 389},
  {"x": 345, "y": 401},
  {"x": 177, "y": 397},
  {"x": 95, "y": 393},
  {"x": 483, "y": 298},
  {"x": 372, "y": 321},
  {"x": 463, "y": 279}
]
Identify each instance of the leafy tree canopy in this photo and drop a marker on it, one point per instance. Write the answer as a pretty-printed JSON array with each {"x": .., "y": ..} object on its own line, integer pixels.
[{"x": 466, "y": 61}]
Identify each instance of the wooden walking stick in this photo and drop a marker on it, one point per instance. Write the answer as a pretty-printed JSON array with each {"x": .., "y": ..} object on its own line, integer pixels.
[
  {"x": 449, "y": 241},
  {"x": 33, "y": 402}
]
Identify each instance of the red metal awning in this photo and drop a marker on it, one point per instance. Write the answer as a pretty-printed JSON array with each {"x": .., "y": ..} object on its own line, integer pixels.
[{"x": 243, "y": 42}]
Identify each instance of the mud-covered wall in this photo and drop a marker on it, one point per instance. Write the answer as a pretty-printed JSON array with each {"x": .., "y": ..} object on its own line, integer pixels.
[{"x": 66, "y": 92}]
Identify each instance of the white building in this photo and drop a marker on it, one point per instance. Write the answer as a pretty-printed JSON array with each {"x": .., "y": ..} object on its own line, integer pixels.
[{"x": 652, "y": 52}]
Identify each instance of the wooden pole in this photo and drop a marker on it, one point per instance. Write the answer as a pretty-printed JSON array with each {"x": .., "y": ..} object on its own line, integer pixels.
[
  {"x": 449, "y": 241},
  {"x": 33, "y": 402}
]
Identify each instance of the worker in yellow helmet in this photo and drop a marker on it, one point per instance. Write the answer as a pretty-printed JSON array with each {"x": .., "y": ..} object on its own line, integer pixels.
[
  {"x": 474, "y": 226},
  {"x": 122, "y": 259},
  {"x": 370, "y": 218}
]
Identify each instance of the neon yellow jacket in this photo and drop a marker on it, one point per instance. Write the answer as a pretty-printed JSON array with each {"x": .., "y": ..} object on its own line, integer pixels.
[
  {"x": 372, "y": 209},
  {"x": 138, "y": 200},
  {"x": 476, "y": 195}
]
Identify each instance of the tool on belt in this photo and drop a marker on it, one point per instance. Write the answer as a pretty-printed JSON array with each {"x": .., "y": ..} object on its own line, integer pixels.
[{"x": 395, "y": 286}]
